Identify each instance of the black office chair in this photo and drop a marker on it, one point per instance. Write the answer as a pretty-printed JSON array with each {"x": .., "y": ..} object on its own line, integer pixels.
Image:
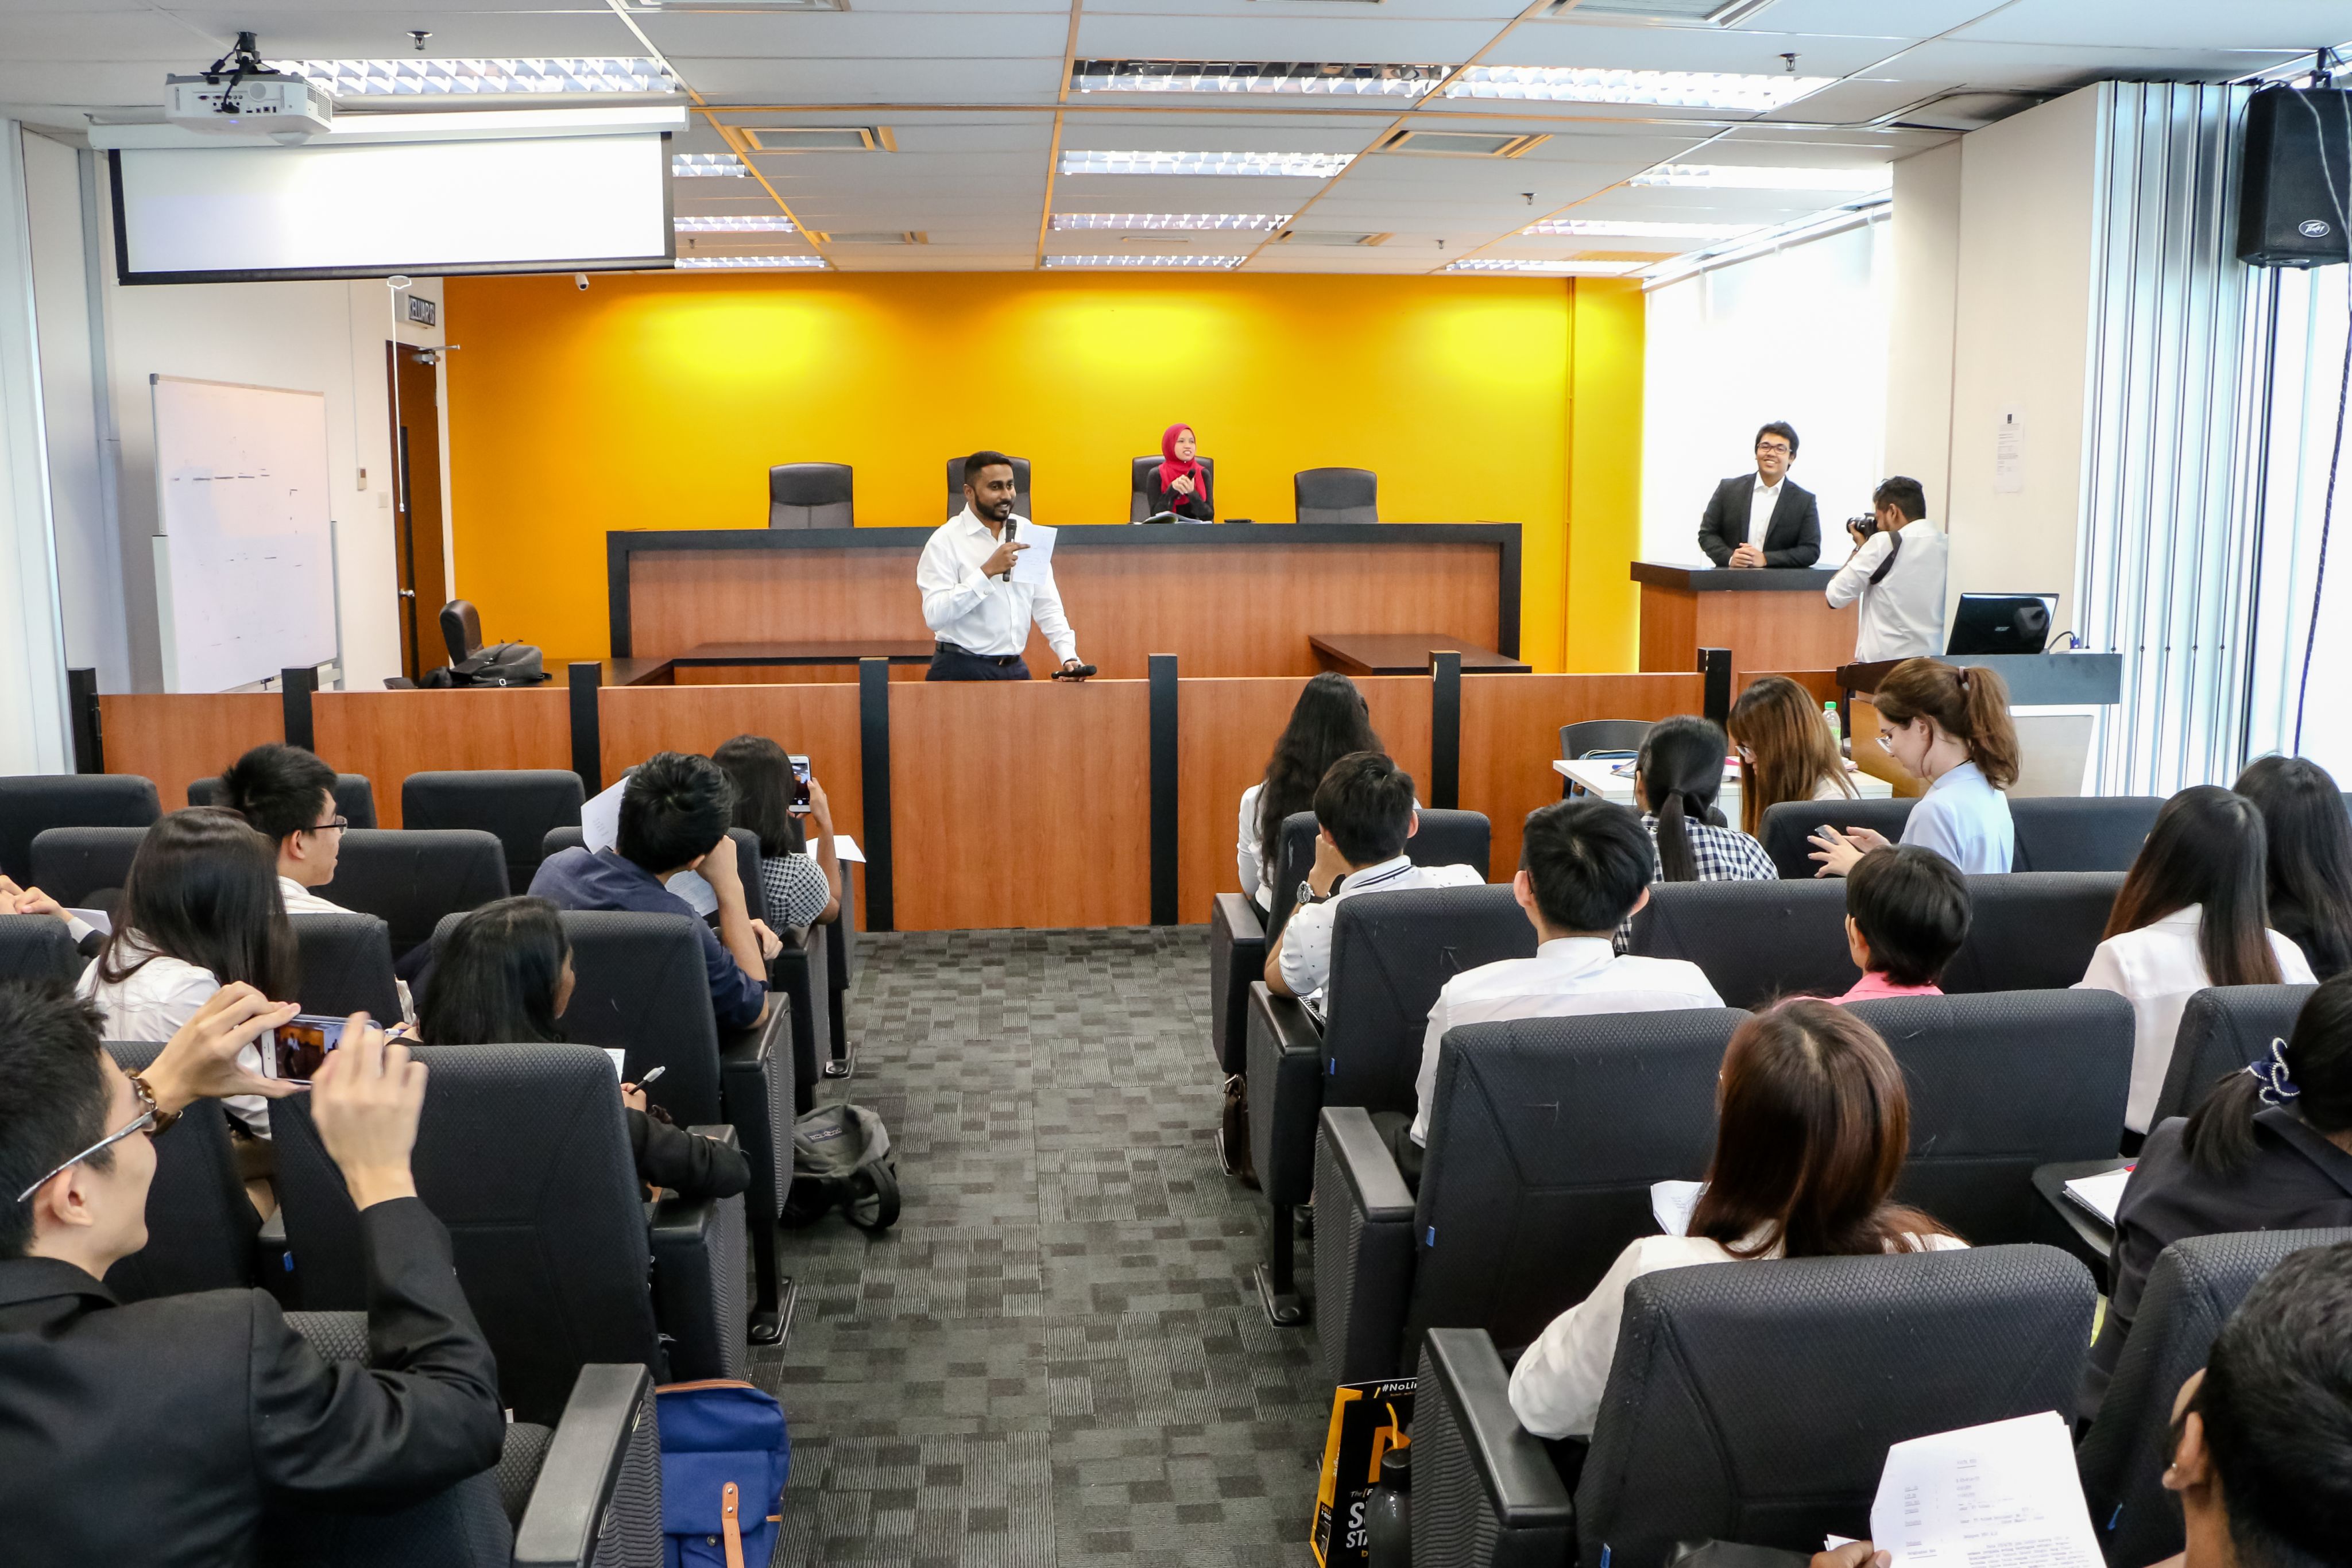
[
  {"x": 1755, "y": 941},
  {"x": 36, "y": 949},
  {"x": 461, "y": 630},
  {"x": 32, "y": 803},
  {"x": 2032, "y": 930},
  {"x": 1138, "y": 507},
  {"x": 412, "y": 877},
  {"x": 1445, "y": 838},
  {"x": 346, "y": 966},
  {"x": 354, "y": 797},
  {"x": 84, "y": 868},
  {"x": 1336, "y": 495},
  {"x": 2222, "y": 1031},
  {"x": 201, "y": 1230},
  {"x": 1021, "y": 503},
  {"x": 2087, "y": 832},
  {"x": 1589, "y": 735},
  {"x": 519, "y": 805},
  {"x": 1788, "y": 828},
  {"x": 810, "y": 495}
]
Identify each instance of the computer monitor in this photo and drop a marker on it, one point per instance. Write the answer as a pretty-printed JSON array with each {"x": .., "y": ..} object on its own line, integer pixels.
[{"x": 2001, "y": 623}]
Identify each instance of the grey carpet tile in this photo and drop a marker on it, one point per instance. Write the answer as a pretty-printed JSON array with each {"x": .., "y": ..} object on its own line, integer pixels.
[{"x": 1056, "y": 1359}]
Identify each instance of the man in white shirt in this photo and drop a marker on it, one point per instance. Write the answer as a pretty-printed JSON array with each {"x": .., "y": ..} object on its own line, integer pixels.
[
  {"x": 1762, "y": 519},
  {"x": 1364, "y": 815},
  {"x": 979, "y": 615},
  {"x": 289, "y": 796},
  {"x": 1897, "y": 572},
  {"x": 1584, "y": 867}
]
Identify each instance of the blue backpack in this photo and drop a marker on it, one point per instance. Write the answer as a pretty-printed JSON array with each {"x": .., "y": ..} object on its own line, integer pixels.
[{"x": 725, "y": 1455}]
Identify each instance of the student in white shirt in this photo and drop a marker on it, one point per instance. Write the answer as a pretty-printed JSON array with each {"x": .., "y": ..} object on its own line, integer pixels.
[
  {"x": 1584, "y": 867},
  {"x": 1811, "y": 1124},
  {"x": 1364, "y": 815},
  {"x": 1786, "y": 752},
  {"x": 1328, "y": 721},
  {"x": 1897, "y": 572},
  {"x": 288, "y": 794},
  {"x": 979, "y": 614},
  {"x": 2191, "y": 915},
  {"x": 1951, "y": 728}
]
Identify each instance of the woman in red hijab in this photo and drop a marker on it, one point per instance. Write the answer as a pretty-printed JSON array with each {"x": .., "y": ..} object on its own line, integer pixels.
[{"x": 1181, "y": 483}]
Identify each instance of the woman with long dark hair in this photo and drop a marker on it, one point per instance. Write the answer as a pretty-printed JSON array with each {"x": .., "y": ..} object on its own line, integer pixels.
[
  {"x": 796, "y": 888},
  {"x": 2191, "y": 915},
  {"x": 1950, "y": 728},
  {"x": 2310, "y": 857},
  {"x": 502, "y": 976},
  {"x": 1677, "y": 775},
  {"x": 1329, "y": 722},
  {"x": 1811, "y": 1124},
  {"x": 1785, "y": 751},
  {"x": 2269, "y": 1148}
]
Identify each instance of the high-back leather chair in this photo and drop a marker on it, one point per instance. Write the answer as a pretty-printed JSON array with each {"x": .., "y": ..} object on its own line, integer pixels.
[
  {"x": 2081, "y": 832},
  {"x": 2222, "y": 1029},
  {"x": 461, "y": 630},
  {"x": 1787, "y": 830},
  {"x": 354, "y": 797},
  {"x": 202, "y": 1229},
  {"x": 1021, "y": 502},
  {"x": 32, "y": 803},
  {"x": 85, "y": 868},
  {"x": 1139, "y": 505},
  {"x": 1445, "y": 838},
  {"x": 36, "y": 949},
  {"x": 1588, "y": 736},
  {"x": 811, "y": 495},
  {"x": 516, "y": 804},
  {"x": 1336, "y": 495},
  {"x": 411, "y": 878},
  {"x": 346, "y": 966},
  {"x": 2032, "y": 930},
  {"x": 1757, "y": 941}
]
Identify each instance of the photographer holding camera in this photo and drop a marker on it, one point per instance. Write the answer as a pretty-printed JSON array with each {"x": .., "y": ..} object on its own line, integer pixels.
[{"x": 1897, "y": 572}]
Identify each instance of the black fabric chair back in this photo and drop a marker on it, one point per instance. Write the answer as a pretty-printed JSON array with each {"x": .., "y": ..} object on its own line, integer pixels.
[
  {"x": 518, "y": 805},
  {"x": 411, "y": 878},
  {"x": 84, "y": 868},
  {"x": 1788, "y": 828},
  {"x": 1445, "y": 838},
  {"x": 461, "y": 630},
  {"x": 1757, "y": 941},
  {"x": 2191, "y": 1291},
  {"x": 2222, "y": 1029},
  {"x": 1336, "y": 495},
  {"x": 2032, "y": 931},
  {"x": 811, "y": 495},
  {"x": 1020, "y": 487},
  {"x": 523, "y": 1154},
  {"x": 34, "y": 948},
  {"x": 354, "y": 797},
  {"x": 1544, "y": 1137},
  {"x": 1592, "y": 735},
  {"x": 32, "y": 803},
  {"x": 201, "y": 1228},
  {"x": 1755, "y": 1402},
  {"x": 1391, "y": 953},
  {"x": 2081, "y": 832},
  {"x": 1138, "y": 506},
  {"x": 346, "y": 966},
  {"x": 747, "y": 855},
  {"x": 2000, "y": 1083}
]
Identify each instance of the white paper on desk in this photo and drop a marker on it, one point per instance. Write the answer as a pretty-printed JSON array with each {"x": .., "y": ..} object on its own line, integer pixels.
[
  {"x": 1670, "y": 1203},
  {"x": 600, "y": 827},
  {"x": 2100, "y": 1193},
  {"x": 1031, "y": 565},
  {"x": 2003, "y": 1495},
  {"x": 845, "y": 848}
]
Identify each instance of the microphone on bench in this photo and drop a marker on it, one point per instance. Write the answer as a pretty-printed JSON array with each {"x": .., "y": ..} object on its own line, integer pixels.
[{"x": 1080, "y": 674}]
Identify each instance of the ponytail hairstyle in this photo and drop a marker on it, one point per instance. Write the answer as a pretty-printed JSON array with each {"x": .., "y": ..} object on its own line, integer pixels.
[
  {"x": 1681, "y": 765},
  {"x": 2311, "y": 1069},
  {"x": 2310, "y": 852},
  {"x": 2208, "y": 848},
  {"x": 1971, "y": 705},
  {"x": 1777, "y": 722}
]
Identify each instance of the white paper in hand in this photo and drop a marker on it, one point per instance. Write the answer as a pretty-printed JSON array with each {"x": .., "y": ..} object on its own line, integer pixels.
[
  {"x": 2003, "y": 1495},
  {"x": 600, "y": 827},
  {"x": 845, "y": 848},
  {"x": 1670, "y": 1203},
  {"x": 1031, "y": 565}
]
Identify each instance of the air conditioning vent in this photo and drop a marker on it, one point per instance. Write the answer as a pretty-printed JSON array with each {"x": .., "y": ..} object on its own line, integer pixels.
[
  {"x": 1331, "y": 238},
  {"x": 821, "y": 138},
  {"x": 1460, "y": 143},
  {"x": 876, "y": 237},
  {"x": 676, "y": 6},
  {"x": 1716, "y": 12}
]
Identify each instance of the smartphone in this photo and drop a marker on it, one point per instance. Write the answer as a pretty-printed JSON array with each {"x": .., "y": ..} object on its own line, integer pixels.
[
  {"x": 800, "y": 807},
  {"x": 303, "y": 1044}
]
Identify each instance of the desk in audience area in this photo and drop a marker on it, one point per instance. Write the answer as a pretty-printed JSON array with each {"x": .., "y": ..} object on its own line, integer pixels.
[
  {"x": 1599, "y": 776},
  {"x": 1405, "y": 654},
  {"x": 1771, "y": 617},
  {"x": 1229, "y": 600}
]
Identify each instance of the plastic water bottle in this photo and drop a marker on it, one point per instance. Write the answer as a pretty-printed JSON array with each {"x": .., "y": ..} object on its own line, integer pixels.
[
  {"x": 1388, "y": 1513},
  {"x": 1829, "y": 718}
]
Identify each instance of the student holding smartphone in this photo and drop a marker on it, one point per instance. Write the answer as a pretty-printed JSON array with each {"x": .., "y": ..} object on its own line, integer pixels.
[{"x": 775, "y": 793}]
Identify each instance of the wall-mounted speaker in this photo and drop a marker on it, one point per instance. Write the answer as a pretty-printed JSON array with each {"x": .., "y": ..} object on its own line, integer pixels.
[{"x": 2298, "y": 192}]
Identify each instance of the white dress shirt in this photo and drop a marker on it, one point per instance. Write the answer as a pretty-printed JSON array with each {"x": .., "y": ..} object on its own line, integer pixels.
[
  {"x": 2158, "y": 969},
  {"x": 1306, "y": 940},
  {"x": 1556, "y": 1388},
  {"x": 1249, "y": 853},
  {"x": 985, "y": 615},
  {"x": 1903, "y": 614},
  {"x": 1760, "y": 513},
  {"x": 155, "y": 999},
  {"x": 300, "y": 900},
  {"x": 1568, "y": 975},
  {"x": 1965, "y": 820}
]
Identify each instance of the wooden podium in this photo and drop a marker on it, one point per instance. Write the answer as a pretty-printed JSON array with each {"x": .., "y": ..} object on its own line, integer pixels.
[{"x": 1770, "y": 619}]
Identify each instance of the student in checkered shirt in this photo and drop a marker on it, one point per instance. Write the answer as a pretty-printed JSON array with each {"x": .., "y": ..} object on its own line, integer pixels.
[{"x": 1676, "y": 778}]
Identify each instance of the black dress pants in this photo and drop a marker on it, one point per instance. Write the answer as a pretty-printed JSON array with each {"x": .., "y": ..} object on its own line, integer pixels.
[{"x": 955, "y": 664}]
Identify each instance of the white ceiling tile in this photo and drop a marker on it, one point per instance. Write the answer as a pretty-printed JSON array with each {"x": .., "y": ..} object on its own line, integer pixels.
[
  {"x": 1867, "y": 18},
  {"x": 972, "y": 39},
  {"x": 1682, "y": 49},
  {"x": 1989, "y": 66},
  {"x": 2293, "y": 27},
  {"x": 381, "y": 32},
  {"x": 871, "y": 80},
  {"x": 1365, "y": 38}
]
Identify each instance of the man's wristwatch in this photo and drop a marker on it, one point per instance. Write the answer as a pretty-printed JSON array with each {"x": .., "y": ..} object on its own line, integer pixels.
[
  {"x": 1307, "y": 894},
  {"x": 163, "y": 1119}
]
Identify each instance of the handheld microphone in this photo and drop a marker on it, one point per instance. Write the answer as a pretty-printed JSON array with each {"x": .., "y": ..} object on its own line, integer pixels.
[
  {"x": 1080, "y": 674},
  {"x": 1012, "y": 527}
]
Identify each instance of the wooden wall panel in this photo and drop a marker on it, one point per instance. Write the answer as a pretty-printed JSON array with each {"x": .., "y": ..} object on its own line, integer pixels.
[
  {"x": 1764, "y": 630},
  {"x": 1823, "y": 684},
  {"x": 174, "y": 738},
  {"x": 1669, "y": 629},
  {"x": 390, "y": 735},
  {"x": 1510, "y": 734},
  {"x": 1024, "y": 804},
  {"x": 819, "y": 722}
]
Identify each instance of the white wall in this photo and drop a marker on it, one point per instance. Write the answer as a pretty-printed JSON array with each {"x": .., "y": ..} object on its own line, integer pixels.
[
  {"x": 33, "y": 733},
  {"x": 1924, "y": 252}
]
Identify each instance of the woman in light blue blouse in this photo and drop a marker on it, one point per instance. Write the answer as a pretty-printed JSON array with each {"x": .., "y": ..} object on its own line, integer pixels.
[{"x": 1950, "y": 728}]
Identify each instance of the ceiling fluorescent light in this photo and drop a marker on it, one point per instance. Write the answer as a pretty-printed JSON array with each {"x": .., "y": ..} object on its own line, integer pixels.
[
  {"x": 1630, "y": 228},
  {"x": 752, "y": 262},
  {"x": 1868, "y": 179},
  {"x": 1306, "y": 165},
  {"x": 763, "y": 223},
  {"x": 1170, "y": 220},
  {"x": 1291, "y": 77},
  {"x": 1546, "y": 265},
  {"x": 702, "y": 166},
  {"x": 465, "y": 78},
  {"x": 1684, "y": 89},
  {"x": 1213, "y": 263},
  {"x": 1716, "y": 12}
]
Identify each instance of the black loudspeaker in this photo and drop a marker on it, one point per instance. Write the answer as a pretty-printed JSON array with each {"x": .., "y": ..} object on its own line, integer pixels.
[{"x": 2298, "y": 180}]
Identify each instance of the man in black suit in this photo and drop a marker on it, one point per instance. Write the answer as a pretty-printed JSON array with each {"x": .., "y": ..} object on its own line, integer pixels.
[
  {"x": 1760, "y": 518},
  {"x": 158, "y": 1432}
]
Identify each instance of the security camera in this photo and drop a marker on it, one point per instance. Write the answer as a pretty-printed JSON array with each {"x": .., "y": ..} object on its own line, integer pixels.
[{"x": 579, "y": 280}]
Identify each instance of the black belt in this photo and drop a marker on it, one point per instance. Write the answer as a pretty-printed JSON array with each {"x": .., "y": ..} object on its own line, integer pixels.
[{"x": 1001, "y": 662}]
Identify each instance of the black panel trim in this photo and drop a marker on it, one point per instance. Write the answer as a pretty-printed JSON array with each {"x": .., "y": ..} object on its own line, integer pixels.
[
  {"x": 1444, "y": 730},
  {"x": 874, "y": 757},
  {"x": 1165, "y": 850},
  {"x": 298, "y": 684},
  {"x": 81, "y": 710},
  {"x": 587, "y": 677}
]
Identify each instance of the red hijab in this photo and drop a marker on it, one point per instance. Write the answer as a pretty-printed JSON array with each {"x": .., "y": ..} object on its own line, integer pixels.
[{"x": 1170, "y": 470}]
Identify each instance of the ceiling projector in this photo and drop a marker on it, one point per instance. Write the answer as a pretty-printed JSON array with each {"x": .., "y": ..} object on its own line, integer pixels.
[{"x": 238, "y": 93}]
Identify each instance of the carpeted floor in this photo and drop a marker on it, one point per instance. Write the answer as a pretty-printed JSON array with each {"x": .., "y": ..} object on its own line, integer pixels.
[{"x": 1056, "y": 1358}]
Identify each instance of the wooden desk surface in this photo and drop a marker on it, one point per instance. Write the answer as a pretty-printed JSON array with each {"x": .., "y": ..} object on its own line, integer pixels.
[
  {"x": 660, "y": 672},
  {"x": 1405, "y": 652}
]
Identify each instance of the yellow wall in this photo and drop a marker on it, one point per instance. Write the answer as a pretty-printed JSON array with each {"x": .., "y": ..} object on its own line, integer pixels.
[{"x": 660, "y": 402}]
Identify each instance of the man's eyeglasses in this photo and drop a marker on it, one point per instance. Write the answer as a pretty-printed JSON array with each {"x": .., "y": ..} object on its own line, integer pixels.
[
  {"x": 143, "y": 1123},
  {"x": 337, "y": 823},
  {"x": 1887, "y": 744},
  {"x": 1780, "y": 447}
]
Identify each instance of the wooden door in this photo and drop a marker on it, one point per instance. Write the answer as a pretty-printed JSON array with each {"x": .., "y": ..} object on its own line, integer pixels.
[{"x": 416, "y": 502}]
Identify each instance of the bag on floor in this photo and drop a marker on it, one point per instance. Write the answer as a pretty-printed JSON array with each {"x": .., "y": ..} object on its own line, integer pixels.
[
  {"x": 725, "y": 1454},
  {"x": 842, "y": 1159}
]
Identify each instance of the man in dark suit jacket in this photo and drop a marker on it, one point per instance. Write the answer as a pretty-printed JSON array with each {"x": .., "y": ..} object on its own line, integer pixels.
[
  {"x": 1791, "y": 536},
  {"x": 158, "y": 1432}
]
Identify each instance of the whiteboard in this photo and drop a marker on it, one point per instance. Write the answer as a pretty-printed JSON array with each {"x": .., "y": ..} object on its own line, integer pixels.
[{"x": 244, "y": 565}]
